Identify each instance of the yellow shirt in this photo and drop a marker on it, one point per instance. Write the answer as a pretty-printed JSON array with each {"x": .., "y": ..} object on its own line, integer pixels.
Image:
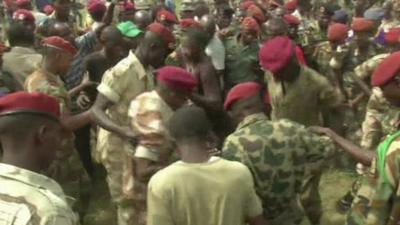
[{"x": 218, "y": 192}]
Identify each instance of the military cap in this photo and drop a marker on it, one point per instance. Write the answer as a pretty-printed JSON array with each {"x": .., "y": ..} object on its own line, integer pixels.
[
  {"x": 163, "y": 32},
  {"x": 387, "y": 70},
  {"x": 33, "y": 103},
  {"x": 189, "y": 23},
  {"x": 375, "y": 14},
  {"x": 129, "y": 29},
  {"x": 23, "y": 15},
  {"x": 291, "y": 5},
  {"x": 59, "y": 43},
  {"x": 96, "y": 6},
  {"x": 361, "y": 24},
  {"x": 392, "y": 36},
  {"x": 240, "y": 92},
  {"x": 22, "y": 3},
  {"x": 176, "y": 78},
  {"x": 249, "y": 23},
  {"x": 338, "y": 32},
  {"x": 340, "y": 16},
  {"x": 165, "y": 15},
  {"x": 276, "y": 53},
  {"x": 291, "y": 20},
  {"x": 127, "y": 6},
  {"x": 246, "y": 4},
  {"x": 257, "y": 13}
]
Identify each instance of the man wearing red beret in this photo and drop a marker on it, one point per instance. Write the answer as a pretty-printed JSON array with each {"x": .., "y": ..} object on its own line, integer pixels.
[
  {"x": 242, "y": 61},
  {"x": 120, "y": 85},
  {"x": 57, "y": 57},
  {"x": 31, "y": 131},
  {"x": 255, "y": 143},
  {"x": 302, "y": 95},
  {"x": 166, "y": 18},
  {"x": 155, "y": 108}
]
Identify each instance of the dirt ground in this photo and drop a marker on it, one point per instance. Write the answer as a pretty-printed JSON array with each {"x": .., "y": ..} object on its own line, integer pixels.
[{"x": 334, "y": 184}]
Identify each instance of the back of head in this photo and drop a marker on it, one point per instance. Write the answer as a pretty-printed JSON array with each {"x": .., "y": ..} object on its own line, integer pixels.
[
  {"x": 198, "y": 37},
  {"x": 208, "y": 23},
  {"x": 19, "y": 34},
  {"x": 276, "y": 26},
  {"x": 188, "y": 124}
]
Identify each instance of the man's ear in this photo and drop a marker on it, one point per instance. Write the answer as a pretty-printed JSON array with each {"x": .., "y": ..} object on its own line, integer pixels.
[{"x": 41, "y": 134}]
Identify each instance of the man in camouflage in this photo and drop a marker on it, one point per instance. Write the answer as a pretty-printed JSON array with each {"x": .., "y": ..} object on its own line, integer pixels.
[
  {"x": 67, "y": 169},
  {"x": 277, "y": 153},
  {"x": 120, "y": 85},
  {"x": 31, "y": 131},
  {"x": 149, "y": 114}
]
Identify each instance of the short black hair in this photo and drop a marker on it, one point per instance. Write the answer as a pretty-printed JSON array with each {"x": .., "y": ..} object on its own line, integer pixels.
[
  {"x": 199, "y": 37},
  {"x": 20, "y": 125},
  {"x": 19, "y": 33},
  {"x": 189, "y": 123}
]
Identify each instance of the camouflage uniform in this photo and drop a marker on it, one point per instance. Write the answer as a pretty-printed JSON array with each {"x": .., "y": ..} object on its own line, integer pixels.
[
  {"x": 27, "y": 197},
  {"x": 304, "y": 101},
  {"x": 277, "y": 153},
  {"x": 149, "y": 114},
  {"x": 121, "y": 84},
  {"x": 381, "y": 120},
  {"x": 67, "y": 169}
]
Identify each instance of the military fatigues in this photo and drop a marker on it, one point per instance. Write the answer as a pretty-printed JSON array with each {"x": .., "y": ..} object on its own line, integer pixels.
[
  {"x": 67, "y": 169},
  {"x": 381, "y": 120},
  {"x": 27, "y": 197},
  {"x": 121, "y": 84},
  {"x": 241, "y": 62},
  {"x": 149, "y": 114},
  {"x": 304, "y": 101},
  {"x": 277, "y": 153}
]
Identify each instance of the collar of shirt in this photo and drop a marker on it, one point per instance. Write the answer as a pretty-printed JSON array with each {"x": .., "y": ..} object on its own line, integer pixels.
[
  {"x": 23, "y": 50},
  {"x": 30, "y": 178},
  {"x": 251, "y": 119}
]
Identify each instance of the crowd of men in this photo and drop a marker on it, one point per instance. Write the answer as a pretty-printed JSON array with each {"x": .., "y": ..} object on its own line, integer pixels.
[{"x": 200, "y": 113}]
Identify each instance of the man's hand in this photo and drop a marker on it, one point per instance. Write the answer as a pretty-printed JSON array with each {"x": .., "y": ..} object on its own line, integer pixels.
[
  {"x": 132, "y": 137},
  {"x": 321, "y": 130},
  {"x": 83, "y": 101}
]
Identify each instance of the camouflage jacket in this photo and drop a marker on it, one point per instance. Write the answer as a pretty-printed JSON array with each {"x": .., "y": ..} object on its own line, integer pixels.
[{"x": 277, "y": 153}]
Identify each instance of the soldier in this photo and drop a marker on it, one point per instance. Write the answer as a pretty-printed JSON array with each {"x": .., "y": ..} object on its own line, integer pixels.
[
  {"x": 242, "y": 60},
  {"x": 201, "y": 189},
  {"x": 119, "y": 86},
  {"x": 22, "y": 60},
  {"x": 267, "y": 148},
  {"x": 302, "y": 95},
  {"x": 67, "y": 168},
  {"x": 166, "y": 18},
  {"x": 30, "y": 132},
  {"x": 149, "y": 114}
]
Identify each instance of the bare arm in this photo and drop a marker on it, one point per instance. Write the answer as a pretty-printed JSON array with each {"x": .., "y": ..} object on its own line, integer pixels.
[
  {"x": 258, "y": 220},
  {"x": 74, "y": 122},
  {"x": 362, "y": 155},
  {"x": 108, "y": 16},
  {"x": 99, "y": 116},
  {"x": 211, "y": 99}
]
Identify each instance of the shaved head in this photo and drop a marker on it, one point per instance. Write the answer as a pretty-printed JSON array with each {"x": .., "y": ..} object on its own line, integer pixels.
[
  {"x": 142, "y": 19},
  {"x": 275, "y": 27},
  {"x": 208, "y": 22},
  {"x": 110, "y": 34}
]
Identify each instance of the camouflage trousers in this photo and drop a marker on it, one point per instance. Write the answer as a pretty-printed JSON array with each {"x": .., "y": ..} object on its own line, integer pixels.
[
  {"x": 292, "y": 215},
  {"x": 310, "y": 197},
  {"x": 69, "y": 172}
]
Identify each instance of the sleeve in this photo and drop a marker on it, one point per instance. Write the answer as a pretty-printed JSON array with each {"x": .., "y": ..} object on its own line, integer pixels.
[
  {"x": 253, "y": 206},
  {"x": 231, "y": 150},
  {"x": 158, "y": 208},
  {"x": 87, "y": 40},
  {"x": 318, "y": 148},
  {"x": 366, "y": 69},
  {"x": 385, "y": 203},
  {"x": 114, "y": 83},
  {"x": 57, "y": 92},
  {"x": 147, "y": 120},
  {"x": 217, "y": 53}
]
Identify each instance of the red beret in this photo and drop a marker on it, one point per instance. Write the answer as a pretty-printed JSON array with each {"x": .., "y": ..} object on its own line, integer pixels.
[
  {"x": 127, "y": 6},
  {"x": 257, "y": 13},
  {"x": 22, "y": 3},
  {"x": 246, "y": 4},
  {"x": 48, "y": 9},
  {"x": 389, "y": 68},
  {"x": 96, "y": 6},
  {"x": 177, "y": 78},
  {"x": 249, "y": 23},
  {"x": 392, "y": 36},
  {"x": 163, "y": 32},
  {"x": 291, "y": 5},
  {"x": 338, "y": 32},
  {"x": 24, "y": 15},
  {"x": 59, "y": 43},
  {"x": 361, "y": 24},
  {"x": 291, "y": 20},
  {"x": 189, "y": 23},
  {"x": 241, "y": 91},
  {"x": 25, "y": 102},
  {"x": 276, "y": 53},
  {"x": 165, "y": 15}
]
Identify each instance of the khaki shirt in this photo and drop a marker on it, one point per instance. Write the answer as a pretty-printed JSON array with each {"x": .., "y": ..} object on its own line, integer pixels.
[
  {"x": 303, "y": 100},
  {"x": 30, "y": 198},
  {"x": 20, "y": 62},
  {"x": 121, "y": 84}
]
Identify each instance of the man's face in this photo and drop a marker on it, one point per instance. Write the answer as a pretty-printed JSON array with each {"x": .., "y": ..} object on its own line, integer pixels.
[
  {"x": 190, "y": 50},
  {"x": 62, "y": 8},
  {"x": 114, "y": 49},
  {"x": 248, "y": 36},
  {"x": 51, "y": 140},
  {"x": 391, "y": 91},
  {"x": 223, "y": 21},
  {"x": 324, "y": 19},
  {"x": 64, "y": 61},
  {"x": 157, "y": 55},
  {"x": 293, "y": 31}
]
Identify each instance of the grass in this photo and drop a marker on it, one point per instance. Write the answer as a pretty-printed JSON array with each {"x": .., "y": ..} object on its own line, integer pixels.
[{"x": 334, "y": 184}]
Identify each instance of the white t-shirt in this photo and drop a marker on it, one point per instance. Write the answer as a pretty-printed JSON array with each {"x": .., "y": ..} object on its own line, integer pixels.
[{"x": 216, "y": 51}]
